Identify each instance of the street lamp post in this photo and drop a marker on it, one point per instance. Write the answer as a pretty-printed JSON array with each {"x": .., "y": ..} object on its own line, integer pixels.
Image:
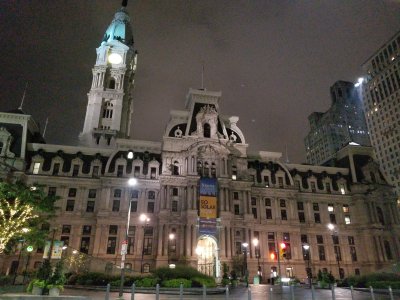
[
  {"x": 131, "y": 182},
  {"x": 143, "y": 218},
  {"x": 29, "y": 249},
  {"x": 171, "y": 238},
  {"x": 24, "y": 230},
  {"x": 331, "y": 227},
  {"x": 245, "y": 245},
  {"x": 306, "y": 247},
  {"x": 256, "y": 244}
]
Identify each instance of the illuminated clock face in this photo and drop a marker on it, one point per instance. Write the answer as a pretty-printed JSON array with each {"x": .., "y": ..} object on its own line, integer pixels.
[{"x": 115, "y": 58}]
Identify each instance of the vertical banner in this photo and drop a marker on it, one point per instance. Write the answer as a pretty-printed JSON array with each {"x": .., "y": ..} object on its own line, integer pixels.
[
  {"x": 56, "y": 252},
  {"x": 208, "y": 206}
]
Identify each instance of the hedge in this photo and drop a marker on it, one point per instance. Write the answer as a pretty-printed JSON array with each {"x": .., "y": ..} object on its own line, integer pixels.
[
  {"x": 176, "y": 283},
  {"x": 384, "y": 284},
  {"x": 146, "y": 282},
  {"x": 362, "y": 281}
]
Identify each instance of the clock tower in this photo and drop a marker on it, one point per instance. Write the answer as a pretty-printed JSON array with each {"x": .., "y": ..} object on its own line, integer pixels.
[{"x": 110, "y": 101}]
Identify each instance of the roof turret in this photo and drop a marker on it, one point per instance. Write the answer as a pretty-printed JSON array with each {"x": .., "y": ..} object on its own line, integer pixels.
[{"x": 120, "y": 28}]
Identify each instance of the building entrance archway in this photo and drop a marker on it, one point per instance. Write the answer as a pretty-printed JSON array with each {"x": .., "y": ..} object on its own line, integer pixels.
[{"x": 207, "y": 256}]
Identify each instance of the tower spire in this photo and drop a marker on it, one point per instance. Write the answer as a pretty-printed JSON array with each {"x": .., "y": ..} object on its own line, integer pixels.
[
  {"x": 45, "y": 127},
  {"x": 202, "y": 75},
  {"x": 23, "y": 97}
]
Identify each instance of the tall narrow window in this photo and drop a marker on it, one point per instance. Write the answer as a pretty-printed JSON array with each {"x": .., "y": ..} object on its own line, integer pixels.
[
  {"x": 36, "y": 168},
  {"x": 56, "y": 169},
  {"x": 75, "y": 170},
  {"x": 207, "y": 130},
  {"x": 120, "y": 170},
  {"x": 111, "y": 84}
]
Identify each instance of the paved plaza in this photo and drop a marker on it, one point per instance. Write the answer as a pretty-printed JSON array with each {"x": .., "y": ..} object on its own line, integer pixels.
[{"x": 258, "y": 292}]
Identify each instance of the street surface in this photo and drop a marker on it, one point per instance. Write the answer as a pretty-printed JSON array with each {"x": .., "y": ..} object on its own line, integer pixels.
[{"x": 258, "y": 292}]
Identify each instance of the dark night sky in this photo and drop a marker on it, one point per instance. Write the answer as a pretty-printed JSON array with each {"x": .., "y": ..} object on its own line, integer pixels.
[{"x": 274, "y": 61}]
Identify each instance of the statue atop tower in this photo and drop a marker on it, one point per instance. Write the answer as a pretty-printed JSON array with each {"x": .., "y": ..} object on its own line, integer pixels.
[{"x": 110, "y": 101}]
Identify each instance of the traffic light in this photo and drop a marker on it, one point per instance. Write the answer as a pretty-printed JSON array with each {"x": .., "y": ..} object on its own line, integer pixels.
[{"x": 283, "y": 250}]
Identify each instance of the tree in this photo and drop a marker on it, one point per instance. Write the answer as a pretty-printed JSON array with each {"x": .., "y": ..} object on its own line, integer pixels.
[{"x": 23, "y": 207}]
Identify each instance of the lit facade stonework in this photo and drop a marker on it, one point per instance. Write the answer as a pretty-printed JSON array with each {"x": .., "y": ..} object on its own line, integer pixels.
[
  {"x": 381, "y": 93},
  {"x": 259, "y": 197}
]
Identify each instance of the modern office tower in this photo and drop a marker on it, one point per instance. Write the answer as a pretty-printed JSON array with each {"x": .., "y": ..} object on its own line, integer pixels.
[
  {"x": 341, "y": 124},
  {"x": 381, "y": 95}
]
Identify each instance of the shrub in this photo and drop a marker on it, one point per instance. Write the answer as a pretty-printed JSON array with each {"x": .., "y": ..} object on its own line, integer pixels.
[
  {"x": 384, "y": 284},
  {"x": 186, "y": 272},
  {"x": 116, "y": 282},
  {"x": 44, "y": 271},
  {"x": 200, "y": 281},
  {"x": 4, "y": 280},
  {"x": 225, "y": 281},
  {"x": 362, "y": 281},
  {"x": 176, "y": 283},
  {"x": 72, "y": 279},
  {"x": 146, "y": 282}
]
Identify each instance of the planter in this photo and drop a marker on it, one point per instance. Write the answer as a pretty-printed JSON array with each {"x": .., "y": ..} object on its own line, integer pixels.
[
  {"x": 37, "y": 290},
  {"x": 54, "y": 291}
]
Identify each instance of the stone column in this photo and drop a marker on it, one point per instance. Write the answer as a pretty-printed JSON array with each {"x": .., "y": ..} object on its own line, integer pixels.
[
  {"x": 221, "y": 200},
  {"x": 222, "y": 245},
  {"x": 195, "y": 197},
  {"x": 160, "y": 240},
  {"x": 168, "y": 197},
  {"x": 228, "y": 242},
  {"x": 189, "y": 195},
  {"x": 194, "y": 239}
]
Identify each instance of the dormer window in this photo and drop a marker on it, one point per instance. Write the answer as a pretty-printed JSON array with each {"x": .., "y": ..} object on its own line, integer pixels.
[
  {"x": 328, "y": 187},
  {"x": 234, "y": 173},
  {"x": 120, "y": 170},
  {"x": 36, "y": 168},
  {"x": 136, "y": 172},
  {"x": 342, "y": 189},
  {"x": 75, "y": 170},
  {"x": 313, "y": 187}
]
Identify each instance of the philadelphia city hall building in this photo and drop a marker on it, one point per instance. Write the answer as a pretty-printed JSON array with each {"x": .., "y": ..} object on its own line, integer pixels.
[{"x": 199, "y": 198}]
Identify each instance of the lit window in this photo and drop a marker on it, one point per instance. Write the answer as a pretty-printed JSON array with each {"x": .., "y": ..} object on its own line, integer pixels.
[
  {"x": 347, "y": 220},
  {"x": 342, "y": 189},
  {"x": 130, "y": 155},
  {"x": 36, "y": 168},
  {"x": 345, "y": 208},
  {"x": 330, "y": 207}
]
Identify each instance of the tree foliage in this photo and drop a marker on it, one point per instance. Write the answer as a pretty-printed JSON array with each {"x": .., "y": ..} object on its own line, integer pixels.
[{"x": 23, "y": 206}]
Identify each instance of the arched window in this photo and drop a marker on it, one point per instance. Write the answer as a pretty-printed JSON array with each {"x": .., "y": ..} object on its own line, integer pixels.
[
  {"x": 388, "y": 250},
  {"x": 207, "y": 130},
  {"x": 379, "y": 212},
  {"x": 199, "y": 168},
  {"x": 213, "y": 170},
  {"x": 206, "y": 170},
  {"x": 107, "y": 110},
  {"x": 175, "y": 168},
  {"x": 111, "y": 83}
]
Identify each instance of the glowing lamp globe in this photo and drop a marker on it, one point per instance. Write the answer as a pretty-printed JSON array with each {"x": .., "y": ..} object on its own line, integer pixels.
[{"x": 115, "y": 58}]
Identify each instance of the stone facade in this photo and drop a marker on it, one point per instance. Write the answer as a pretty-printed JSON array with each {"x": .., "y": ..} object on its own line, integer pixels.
[{"x": 259, "y": 198}]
